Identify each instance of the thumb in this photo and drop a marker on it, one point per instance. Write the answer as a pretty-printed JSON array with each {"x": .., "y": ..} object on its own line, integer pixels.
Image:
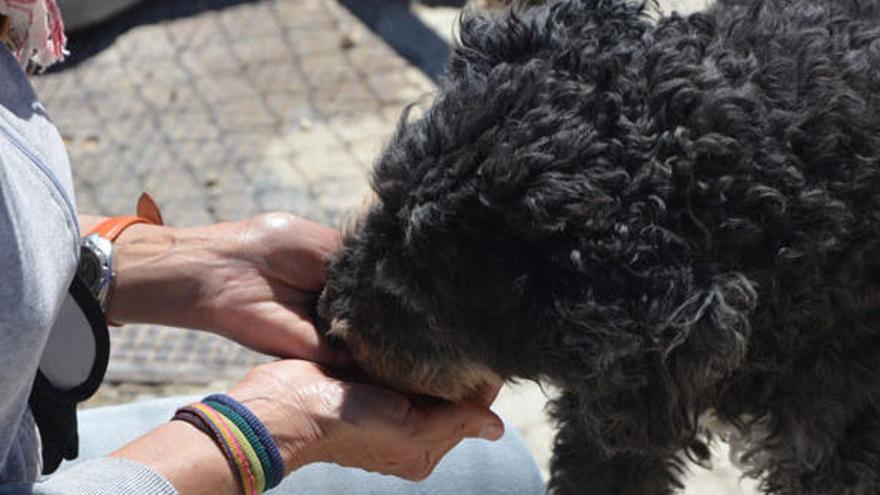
[
  {"x": 291, "y": 336},
  {"x": 452, "y": 422}
]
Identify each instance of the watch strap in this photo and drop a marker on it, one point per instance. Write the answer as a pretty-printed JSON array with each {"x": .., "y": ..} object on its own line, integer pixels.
[{"x": 147, "y": 212}]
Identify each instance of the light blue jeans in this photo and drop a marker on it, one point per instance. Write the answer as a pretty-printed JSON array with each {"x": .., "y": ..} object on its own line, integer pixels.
[{"x": 477, "y": 467}]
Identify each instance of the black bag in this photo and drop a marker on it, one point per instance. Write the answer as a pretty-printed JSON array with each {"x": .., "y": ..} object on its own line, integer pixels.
[{"x": 71, "y": 370}]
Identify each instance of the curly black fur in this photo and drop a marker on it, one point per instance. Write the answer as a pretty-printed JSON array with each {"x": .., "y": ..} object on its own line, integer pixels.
[{"x": 662, "y": 217}]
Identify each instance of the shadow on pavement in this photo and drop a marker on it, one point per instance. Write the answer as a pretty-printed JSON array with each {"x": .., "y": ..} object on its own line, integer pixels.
[
  {"x": 89, "y": 42},
  {"x": 444, "y": 3},
  {"x": 392, "y": 20},
  {"x": 395, "y": 22}
]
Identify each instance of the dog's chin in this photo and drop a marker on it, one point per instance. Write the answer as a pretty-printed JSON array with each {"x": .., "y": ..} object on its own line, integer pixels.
[
  {"x": 483, "y": 393},
  {"x": 447, "y": 379},
  {"x": 453, "y": 381},
  {"x": 466, "y": 385}
]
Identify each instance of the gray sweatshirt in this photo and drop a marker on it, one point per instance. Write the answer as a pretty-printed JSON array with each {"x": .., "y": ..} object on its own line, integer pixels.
[{"x": 39, "y": 246}]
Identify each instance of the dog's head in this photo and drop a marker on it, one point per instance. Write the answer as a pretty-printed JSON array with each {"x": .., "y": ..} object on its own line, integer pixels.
[{"x": 530, "y": 225}]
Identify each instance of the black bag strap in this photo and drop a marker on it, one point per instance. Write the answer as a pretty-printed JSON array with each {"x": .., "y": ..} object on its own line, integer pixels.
[{"x": 54, "y": 408}]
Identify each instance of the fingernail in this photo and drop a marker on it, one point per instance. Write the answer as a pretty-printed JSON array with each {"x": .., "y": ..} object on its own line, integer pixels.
[{"x": 492, "y": 431}]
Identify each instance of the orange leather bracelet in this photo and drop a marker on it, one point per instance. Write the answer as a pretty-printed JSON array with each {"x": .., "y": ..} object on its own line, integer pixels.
[{"x": 147, "y": 212}]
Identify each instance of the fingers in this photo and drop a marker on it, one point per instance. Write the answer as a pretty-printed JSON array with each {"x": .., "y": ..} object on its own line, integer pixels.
[
  {"x": 453, "y": 422},
  {"x": 292, "y": 248},
  {"x": 422, "y": 466},
  {"x": 486, "y": 394},
  {"x": 305, "y": 343},
  {"x": 412, "y": 439},
  {"x": 423, "y": 462},
  {"x": 315, "y": 244},
  {"x": 284, "y": 333}
]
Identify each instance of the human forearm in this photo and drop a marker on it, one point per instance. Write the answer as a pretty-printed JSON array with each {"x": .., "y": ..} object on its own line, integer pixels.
[
  {"x": 162, "y": 274},
  {"x": 314, "y": 417},
  {"x": 158, "y": 272},
  {"x": 254, "y": 281},
  {"x": 195, "y": 465},
  {"x": 117, "y": 476},
  {"x": 184, "y": 456}
]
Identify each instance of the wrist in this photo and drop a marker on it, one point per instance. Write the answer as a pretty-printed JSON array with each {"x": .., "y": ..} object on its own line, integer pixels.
[
  {"x": 295, "y": 435},
  {"x": 160, "y": 274},
  {"x": 295, "y": 419},
  {"x": 186, "y": 457}
]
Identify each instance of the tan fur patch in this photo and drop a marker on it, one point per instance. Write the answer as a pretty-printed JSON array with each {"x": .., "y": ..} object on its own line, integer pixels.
[
  {"x": 339, "y": 329},
  {"x": 448, "y": 380}
]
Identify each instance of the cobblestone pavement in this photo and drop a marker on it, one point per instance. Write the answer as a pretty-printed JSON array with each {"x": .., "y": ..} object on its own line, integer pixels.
[{"x": 225, "y": 108}]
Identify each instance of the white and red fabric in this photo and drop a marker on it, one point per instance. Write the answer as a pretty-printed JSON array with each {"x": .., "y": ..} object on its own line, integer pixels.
[{"x": 37, "y": 31}]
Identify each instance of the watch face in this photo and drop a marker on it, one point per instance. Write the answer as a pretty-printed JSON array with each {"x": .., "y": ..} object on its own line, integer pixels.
[{"x": 89, "y": 268}]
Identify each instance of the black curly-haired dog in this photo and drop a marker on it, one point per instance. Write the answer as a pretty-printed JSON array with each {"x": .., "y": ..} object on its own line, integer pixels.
[{"x": 672, "y": 220}]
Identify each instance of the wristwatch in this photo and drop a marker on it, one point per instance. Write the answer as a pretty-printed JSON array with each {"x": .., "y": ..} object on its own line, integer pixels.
[{"x": 96, "y": 268}]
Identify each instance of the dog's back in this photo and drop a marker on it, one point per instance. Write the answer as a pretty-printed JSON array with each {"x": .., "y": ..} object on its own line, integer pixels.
[
  {"x": 768, "y": 116},
  {"x": 771, "y": 115}
]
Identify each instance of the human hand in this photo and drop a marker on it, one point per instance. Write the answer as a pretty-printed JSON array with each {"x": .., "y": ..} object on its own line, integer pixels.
[
  {"x": 315, "y": 417},
  {"x": 254, "y": 281}
]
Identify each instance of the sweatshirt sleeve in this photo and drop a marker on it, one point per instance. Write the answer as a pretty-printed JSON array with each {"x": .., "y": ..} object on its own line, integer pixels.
[{"x": 98, "y": 477}]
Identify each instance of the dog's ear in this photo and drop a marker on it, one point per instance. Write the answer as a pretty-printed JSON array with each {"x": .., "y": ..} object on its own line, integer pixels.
[
  {"x": 487, "y": 40},
  {"x": 567, "y": 33},
  {"x": 645, "y": 374},
  {"x": 705, "y": 338}
]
